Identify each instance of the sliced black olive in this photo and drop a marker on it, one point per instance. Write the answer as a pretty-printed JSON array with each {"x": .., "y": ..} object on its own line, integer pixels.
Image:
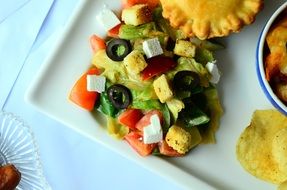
[
  {"x": 118, "y": 49},
  {"x": 185, "y": 80},
  {"x": 198, "y": 99},
  {"x": 120, "y": 96}
]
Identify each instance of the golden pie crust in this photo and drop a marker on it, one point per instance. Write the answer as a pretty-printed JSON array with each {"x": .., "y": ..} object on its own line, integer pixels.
[{"x": 210, "y": 18}]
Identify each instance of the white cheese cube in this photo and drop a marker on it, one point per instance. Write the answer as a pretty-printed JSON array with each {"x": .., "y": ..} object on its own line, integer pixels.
[
  {"x": 213, "y": 70},
  {"x": 107, "y": 19},
  {"x": 155, "y": 121},
  {"x": 96, "y": 83},
  {"x": 153, "y": 132},
  {"x": 152, "y": 48}
]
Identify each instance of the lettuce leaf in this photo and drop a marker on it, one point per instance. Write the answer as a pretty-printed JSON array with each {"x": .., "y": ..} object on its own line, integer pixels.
[
  {"x": 203, "y": 55},
  {"x": 164, "y": 25},
  {"x": 106, "y": 107},
  {"x": 115, "y": 129},
  {"x": 113, "y": 71},
  {"x": 216, "y": 111},
  {"x": 211, "y": 45},
  {"x": 144, "y": 31},
  {"x": 189, "y": 64},
  {"x": 116, "y": 72}
]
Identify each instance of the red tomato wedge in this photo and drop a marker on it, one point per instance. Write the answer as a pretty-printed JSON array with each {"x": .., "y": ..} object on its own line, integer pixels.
[
  {"x": 114, "y": 32},
  {"x": 136, "y": 142},
  {"x": 145, "y": 120},
  {"x": 151, "y": 3},
  {"x": 156, "y": 66},
  {"x": 166, "y": 150},
  {"x": 97, "y": 43},
  {"x": 130, "y": 117},
  {"x": 79, "y": 93}
]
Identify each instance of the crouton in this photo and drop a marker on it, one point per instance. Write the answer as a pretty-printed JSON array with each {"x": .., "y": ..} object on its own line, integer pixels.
[
  {"x": 179, "y": 139},
  {"x": 137, "y": 14},
  {"x": 184, "y": 48},
  {"x": 162, "y": 89},
  {"x": 135, "y": 62}
]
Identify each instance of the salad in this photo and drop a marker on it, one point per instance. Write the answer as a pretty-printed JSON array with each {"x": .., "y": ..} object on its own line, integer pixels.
[{"x": 154, "y": 85}]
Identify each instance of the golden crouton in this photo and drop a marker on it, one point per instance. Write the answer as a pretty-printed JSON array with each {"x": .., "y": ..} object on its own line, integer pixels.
[
  {"x": 137, "y": 14},
  {"x": 184, "y": 48},
  {"x": 135, "y": 62},
  {"x": 162, "y": 89},
  {"x": 179, "y": 139}
]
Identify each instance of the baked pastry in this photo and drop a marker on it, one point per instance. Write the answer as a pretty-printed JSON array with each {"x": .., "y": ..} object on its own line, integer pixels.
[
  {"x": 9, "y": 177},
  {"x": 210, "y": 18}
]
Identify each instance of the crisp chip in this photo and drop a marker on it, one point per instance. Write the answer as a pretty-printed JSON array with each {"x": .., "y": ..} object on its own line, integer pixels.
[
  {"x": 279, "y": 149},
  {"x": 283, "y": 186},
  {"x": 261, "y": 148}
]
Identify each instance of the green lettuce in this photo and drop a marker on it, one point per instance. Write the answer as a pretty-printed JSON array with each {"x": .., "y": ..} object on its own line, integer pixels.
[
  {"x": 189, "y": 64},
  {"x": 203, "y": 55},
  {"x": 142, "y": 95},
  {"x": 164, "y": 25},
  {"x": 144, "y": 31},
  {"x": 112, "y": 70},
  {"x": 116, "y": 72},
  {"x": 106, "y": 107},
  {"x": 216, "y": 111},
  {"x": 210, "y": 45},
  {"x": 115, "y": 129}
]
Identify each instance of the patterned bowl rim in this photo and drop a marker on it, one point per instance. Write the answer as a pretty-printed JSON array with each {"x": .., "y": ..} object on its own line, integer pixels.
[
  {"x": 265, "y": 86},
  {"x": 28, "y": 130}
]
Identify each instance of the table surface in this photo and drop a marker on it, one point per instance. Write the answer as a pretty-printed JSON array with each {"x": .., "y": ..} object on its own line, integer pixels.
[{"x": 69, "y": 160}]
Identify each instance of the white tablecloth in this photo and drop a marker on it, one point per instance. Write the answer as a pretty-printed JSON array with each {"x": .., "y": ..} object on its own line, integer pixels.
[{"x": 69, "y": 160}]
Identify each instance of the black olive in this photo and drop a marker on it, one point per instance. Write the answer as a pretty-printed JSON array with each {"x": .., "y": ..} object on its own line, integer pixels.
[
  {"x": 118, "y": 49},
  {"x": 185, "y": 80},
  {"x": 119, "y": 96}
]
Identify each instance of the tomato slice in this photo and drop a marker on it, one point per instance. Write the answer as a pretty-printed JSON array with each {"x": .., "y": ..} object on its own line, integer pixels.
[
  {"x": 114, "y": 32},
  {"x": 79, "y": 93},
  {"x": 130, "y": 117},
  {"x": 136, "y": 142},
  {"x": 145, "y": 120},
  {"x": 151, "y": 3},
  {"x": 97, "y": 43},
  {"x": 156, "y": 66},
  {"x": 166, "y": 150}
]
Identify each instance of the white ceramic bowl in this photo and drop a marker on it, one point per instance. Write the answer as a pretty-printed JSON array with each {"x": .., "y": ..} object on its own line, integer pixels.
[{"x": 277, "y": 103}]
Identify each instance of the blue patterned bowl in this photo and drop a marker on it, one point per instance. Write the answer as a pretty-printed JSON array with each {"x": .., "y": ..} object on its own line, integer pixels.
[{"x": 276, "y": 102}]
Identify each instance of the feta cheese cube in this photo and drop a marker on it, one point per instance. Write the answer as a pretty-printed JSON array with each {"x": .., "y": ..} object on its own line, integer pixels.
[
  {"x": 107, "y": 19},
  {"x": 213, "y": 70},
  {"x": 162, "y": 89},
  {"x": 152, "y": 48},
  {"x": 155, "y": 121},
  {"x": 153, "y": 132},
  {"x": 96, "y": 83}
]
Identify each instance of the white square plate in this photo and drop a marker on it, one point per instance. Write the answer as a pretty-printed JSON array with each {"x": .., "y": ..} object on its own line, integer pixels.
[{"x": 206, "y": 167}]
